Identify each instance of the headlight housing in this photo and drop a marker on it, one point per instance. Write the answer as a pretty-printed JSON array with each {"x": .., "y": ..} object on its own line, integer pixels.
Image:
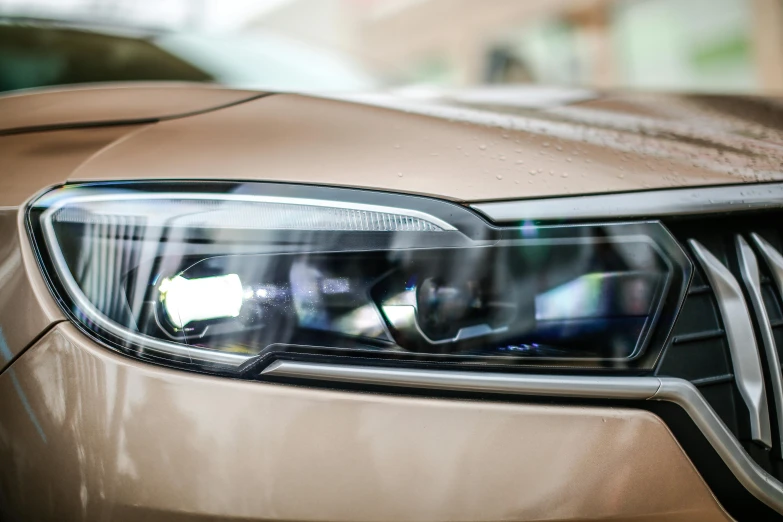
[{"x": 225, "y": 277}]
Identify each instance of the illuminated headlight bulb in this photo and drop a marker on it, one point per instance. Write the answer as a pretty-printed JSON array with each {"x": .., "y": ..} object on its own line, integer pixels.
[{"x": 188, "y": 300}]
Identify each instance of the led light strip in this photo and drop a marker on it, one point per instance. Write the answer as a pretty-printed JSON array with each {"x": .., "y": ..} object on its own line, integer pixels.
[
  {"x": 757, "y": 481},
  {"x": 245, "y": 198}
]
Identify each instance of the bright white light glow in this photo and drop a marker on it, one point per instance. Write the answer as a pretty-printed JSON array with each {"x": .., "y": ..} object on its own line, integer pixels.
[{"x": 187, "y": 300}]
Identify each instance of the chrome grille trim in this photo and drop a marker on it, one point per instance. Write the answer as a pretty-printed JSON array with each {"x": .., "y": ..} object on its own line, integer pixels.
[
  {"x": 745, "y": 358},
  {"x": 678, "y": 391},
  {"x": 749, "y": 268},
  {"x": 773, "y": 259},
  {"x": 648, "y": 203}
]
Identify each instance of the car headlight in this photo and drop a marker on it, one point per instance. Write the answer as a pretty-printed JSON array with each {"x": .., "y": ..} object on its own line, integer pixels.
[{"x": 220, "y": 276}]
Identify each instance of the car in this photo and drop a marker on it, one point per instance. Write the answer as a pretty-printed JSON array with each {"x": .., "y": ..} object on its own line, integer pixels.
[
  {"x": 38, "y": 52},
  {"x": 514, "y": 303}
]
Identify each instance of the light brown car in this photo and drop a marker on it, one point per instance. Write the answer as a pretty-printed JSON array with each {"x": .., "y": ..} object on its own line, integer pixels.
[{"x": 515, "y": 304}]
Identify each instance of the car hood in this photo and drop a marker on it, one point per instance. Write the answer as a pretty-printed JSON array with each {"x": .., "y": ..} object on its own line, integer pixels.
[
  {"x": 93, "y": 105},
  {"x": 613, "y": 141},
  {"x": 466, "y": 145}
]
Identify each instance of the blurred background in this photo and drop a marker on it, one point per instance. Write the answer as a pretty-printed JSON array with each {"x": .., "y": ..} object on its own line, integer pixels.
[{"x": 685, "y": 45}]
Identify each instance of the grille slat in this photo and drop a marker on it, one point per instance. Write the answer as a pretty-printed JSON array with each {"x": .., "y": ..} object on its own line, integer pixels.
[
  {"x": 751, "y": 276},
  {"x": 701, "y": 289},
  {"x": 699, "y": 336},
  {"x": 711, "y": 381}
]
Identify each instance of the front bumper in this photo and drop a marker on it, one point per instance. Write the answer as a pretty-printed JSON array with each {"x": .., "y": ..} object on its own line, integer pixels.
[{"x": 86, "y": 434}]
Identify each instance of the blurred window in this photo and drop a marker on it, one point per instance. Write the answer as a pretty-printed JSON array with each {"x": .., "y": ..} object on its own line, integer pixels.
[
  {"x": 32, "y": 56},
  {"x": 41, "y": 55},
  {"x": 506, "y": 66},
  {"x": 543, "y": 51},
  {"x": 267, "y": 62}
]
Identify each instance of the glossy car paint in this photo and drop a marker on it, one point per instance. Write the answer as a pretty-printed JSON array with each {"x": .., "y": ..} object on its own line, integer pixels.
[
  {"x": 31, "y": 162},
  {"x": 456, "y": 153},
  {"x": 86, "y": 434},
  {"x": 26, "y": 308},
  {"x": 89, "y": 104},
  {"x": 462, "y": 149}
]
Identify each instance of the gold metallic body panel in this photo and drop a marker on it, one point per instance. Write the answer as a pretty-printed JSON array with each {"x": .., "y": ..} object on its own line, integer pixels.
[
  {"x": 466, "y": 154},
  {"x": 29, "y": 163},
  {"x": 34, "y": 161},
  {"x": 93, "y": 104},
  {"x": 86, "y": 434},
  {"x": 459, "y": 151},
  {"x": 26, "y": 306}
]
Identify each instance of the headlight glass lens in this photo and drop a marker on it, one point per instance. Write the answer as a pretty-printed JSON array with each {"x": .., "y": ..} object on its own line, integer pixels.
[{"x": 224, "y": 276}]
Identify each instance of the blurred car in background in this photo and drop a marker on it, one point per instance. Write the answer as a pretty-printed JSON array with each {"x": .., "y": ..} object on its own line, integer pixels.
[{"x": 37, "y": 53}]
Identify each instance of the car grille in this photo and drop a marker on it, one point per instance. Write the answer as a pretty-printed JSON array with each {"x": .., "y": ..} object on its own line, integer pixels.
[{"x": 699, "y": 348}]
